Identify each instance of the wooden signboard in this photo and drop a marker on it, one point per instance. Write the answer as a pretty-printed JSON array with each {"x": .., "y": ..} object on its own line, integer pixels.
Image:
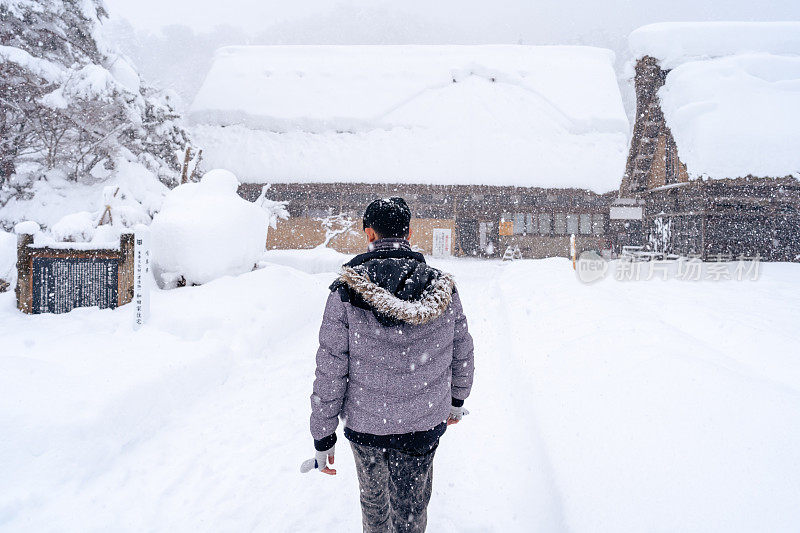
[{"x": 57, "y": 280}]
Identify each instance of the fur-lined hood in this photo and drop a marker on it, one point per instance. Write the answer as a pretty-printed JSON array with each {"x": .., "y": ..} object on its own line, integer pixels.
[
  {"x": 433, "y": 300},
  {"x": 396, "y": 284}
]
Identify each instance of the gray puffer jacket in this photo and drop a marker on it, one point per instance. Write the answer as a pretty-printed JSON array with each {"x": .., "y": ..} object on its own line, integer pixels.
[{"x": 394, "y": 348}]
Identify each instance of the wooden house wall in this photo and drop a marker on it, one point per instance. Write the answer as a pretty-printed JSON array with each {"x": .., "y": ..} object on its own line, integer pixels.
[
  {"x": 303, "y": 233},
  {"x": 463, "y": 209},
  {"x": 750, "y": 217}
]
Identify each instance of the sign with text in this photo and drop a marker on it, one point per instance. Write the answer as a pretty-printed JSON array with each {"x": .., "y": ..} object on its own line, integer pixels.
[
  {"x": 141, "y": 276},
  {"x": 61, "y": 284},
  {"x": 442, "y": 242}
]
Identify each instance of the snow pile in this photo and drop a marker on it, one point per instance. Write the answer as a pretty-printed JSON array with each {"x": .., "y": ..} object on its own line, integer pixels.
[
  {"x": 732, "y": 94},
  {"x": 75, "y": 227},
  {"x": 673, "y": 43},
  {"x": 501, "y": 115},
  {"x": 317, "y": 260},
  {"x": 27, "y": 227},
  {"x": 206, "y": 230}
]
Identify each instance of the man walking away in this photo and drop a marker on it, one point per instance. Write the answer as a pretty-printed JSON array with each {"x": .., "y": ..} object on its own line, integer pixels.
[{"x": 395, "y": 361}]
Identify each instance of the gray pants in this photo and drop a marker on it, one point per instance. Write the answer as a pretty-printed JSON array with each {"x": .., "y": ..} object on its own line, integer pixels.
[{"x": 395, "y": 489}]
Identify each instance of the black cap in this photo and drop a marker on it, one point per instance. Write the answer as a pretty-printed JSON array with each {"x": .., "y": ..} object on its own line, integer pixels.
[{"x": 389, "y": 217}]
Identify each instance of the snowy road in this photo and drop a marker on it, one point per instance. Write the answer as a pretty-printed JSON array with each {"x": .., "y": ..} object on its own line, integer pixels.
[{"x": 642, "y": 406}]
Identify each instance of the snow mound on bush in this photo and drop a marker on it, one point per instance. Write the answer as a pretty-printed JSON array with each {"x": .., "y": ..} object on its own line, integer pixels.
[
  {"x": 206, "y": 230},
  {"x": 77, "y": 227}
]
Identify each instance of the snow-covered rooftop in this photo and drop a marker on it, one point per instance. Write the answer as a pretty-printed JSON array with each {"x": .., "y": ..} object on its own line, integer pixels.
[
  {"x": 501, "y": 115},
  {"x": 673, "y": 43},
  {"x": 732, "y": 96}
]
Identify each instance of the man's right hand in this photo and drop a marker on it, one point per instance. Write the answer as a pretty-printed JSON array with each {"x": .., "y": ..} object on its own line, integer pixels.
[{"x": 319, "y": 462}]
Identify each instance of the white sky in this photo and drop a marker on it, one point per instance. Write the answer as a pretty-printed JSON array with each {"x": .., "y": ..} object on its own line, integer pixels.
[
  {"x": 471, "y": 20},
  {"x": 179, "y": 57}
]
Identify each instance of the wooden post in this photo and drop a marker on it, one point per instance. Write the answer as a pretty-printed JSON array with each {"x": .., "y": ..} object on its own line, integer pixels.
[
  {"x": 185, "y": 169},
  {"x": 194, "y": 177},
  {"x": 572, "y": 249},
  {"x": 24, "y": 290}
]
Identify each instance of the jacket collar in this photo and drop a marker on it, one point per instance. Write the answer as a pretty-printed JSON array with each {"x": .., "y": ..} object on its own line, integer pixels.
[
  {"x": 389, "y": 243},
  {"x": 387, "y": 252}
]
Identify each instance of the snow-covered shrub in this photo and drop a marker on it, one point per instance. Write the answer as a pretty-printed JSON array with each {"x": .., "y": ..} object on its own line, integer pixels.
[
  {"x": 70, "y": 102},
  {"x": 275, "y": 209},
  {"x": 118, "y": 212},
  {"x": 206, "y": 230},
  {"x": 335, "y": 225}
]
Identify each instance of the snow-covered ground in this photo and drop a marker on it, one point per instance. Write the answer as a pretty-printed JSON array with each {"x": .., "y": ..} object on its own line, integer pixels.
[{"x": 617, "y": 406}]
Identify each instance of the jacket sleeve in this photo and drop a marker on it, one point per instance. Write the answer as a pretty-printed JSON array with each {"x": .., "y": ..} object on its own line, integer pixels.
[
  {"x": 463, "y": 362},
  {"x": 330, "y": 384}
]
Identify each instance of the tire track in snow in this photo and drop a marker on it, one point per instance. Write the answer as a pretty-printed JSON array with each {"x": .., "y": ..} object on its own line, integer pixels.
[{"x": 502, "y": 398}]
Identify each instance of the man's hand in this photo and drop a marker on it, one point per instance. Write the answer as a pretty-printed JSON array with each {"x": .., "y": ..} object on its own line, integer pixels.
[
  {"x": 456, "y": 414},
  {"x": 319, "y": 463}
]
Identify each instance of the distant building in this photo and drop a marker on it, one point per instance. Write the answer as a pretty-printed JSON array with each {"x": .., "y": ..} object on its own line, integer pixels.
[
  {"x": 715, "y": 154},
  {"x": 493, "y": 146}
]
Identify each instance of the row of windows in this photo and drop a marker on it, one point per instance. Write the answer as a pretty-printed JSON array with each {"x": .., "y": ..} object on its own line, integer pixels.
[
  {"x": 522, "y": 223},
  {"x": 557, "y": 223}
]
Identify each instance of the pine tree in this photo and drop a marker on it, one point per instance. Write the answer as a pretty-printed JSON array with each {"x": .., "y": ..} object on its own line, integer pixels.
[{"x": 69, "y": 102}]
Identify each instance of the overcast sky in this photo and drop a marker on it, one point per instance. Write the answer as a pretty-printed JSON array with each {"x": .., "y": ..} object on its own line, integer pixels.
[
  {"x": 478, "y": 20},
  {"x": 178, "y": 57}
]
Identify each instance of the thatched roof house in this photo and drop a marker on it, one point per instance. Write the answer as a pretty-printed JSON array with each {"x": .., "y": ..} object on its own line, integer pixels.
[
  {"x": 714, "y": 154},
  {"x": 500, "y": 144}
]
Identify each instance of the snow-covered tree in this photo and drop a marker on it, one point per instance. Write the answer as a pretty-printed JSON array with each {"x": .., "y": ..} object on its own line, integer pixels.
[{"x": 70, "y": 103}]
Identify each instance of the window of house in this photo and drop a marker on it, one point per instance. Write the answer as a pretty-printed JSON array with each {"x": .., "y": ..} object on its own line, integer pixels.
[
  {"x": 598, "y": 224},
  {"x": 572, "y": 223},
  {"x": 586, "y": 224},
  {"x": 561, "y": 224},
  {"x": 519, "y": 223},
  {"x": 545, "y": 223},
  {"x": 530, "y": 223}
]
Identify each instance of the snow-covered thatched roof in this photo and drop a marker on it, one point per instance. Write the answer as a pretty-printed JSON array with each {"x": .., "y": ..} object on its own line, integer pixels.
[
  {"x": 497, "y": 115},
  {"x": 732, "y": 96}
]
